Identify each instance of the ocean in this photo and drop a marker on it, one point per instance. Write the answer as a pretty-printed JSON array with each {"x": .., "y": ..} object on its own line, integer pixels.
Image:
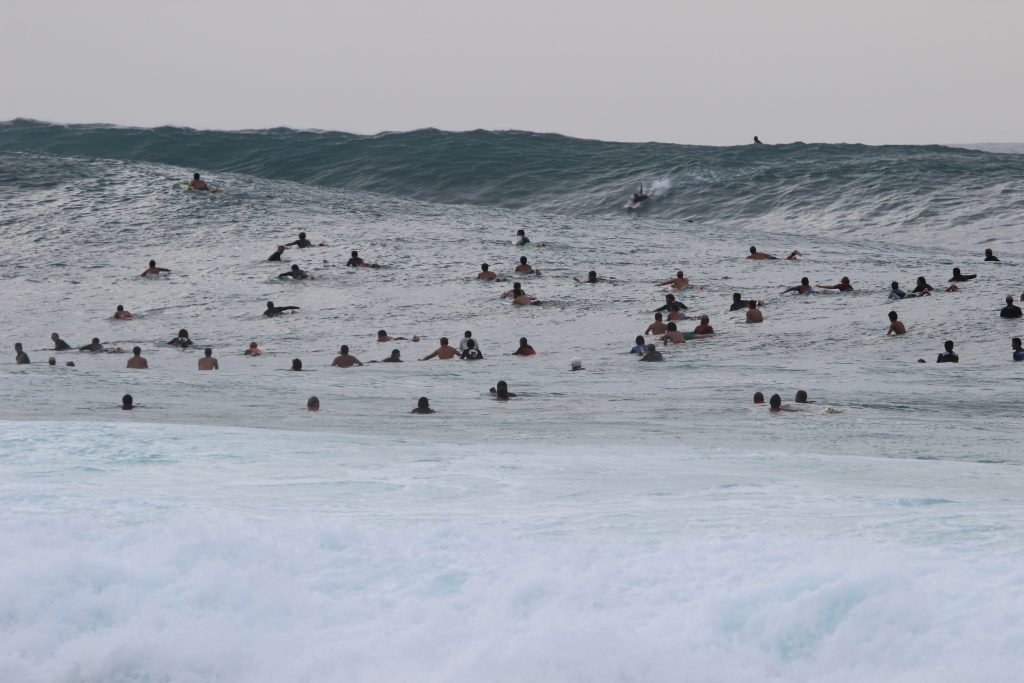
[{"x": 628, "y": 522}]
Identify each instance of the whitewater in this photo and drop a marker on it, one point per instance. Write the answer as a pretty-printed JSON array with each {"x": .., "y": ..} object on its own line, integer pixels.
[{"x": 629, "y": 522}]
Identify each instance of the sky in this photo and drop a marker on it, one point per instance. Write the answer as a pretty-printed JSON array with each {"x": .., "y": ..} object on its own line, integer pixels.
[{"x": 702, "y": 72}]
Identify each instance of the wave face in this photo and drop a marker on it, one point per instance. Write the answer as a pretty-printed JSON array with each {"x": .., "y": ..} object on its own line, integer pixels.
[{"x": 861, "y": 191}]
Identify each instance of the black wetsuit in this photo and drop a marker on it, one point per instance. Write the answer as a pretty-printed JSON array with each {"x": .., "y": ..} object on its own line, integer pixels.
[
  {"x": 276, "y": 256},
  {"x": 737, "y": 305},
  {"x": 472, "y": 354},
  {"x": 61, "y": 345},
  {"x": 354, "y": 262},
  {"x": 669, "y": 306},
  {"x": 962, "y": 278},
  {"x": 1010, "y": 311},
  {"x": 294, "y": 274},
  {"x": 993, "y": 257},
  {"x": 94, "y": 346},
  {"x": 948, "y": 357},
  {"x": 923, "y": 288},
  {"x": 22, "y": 359},
  {"x": 182, "y": 342},
  {"x": 278, "y": 310}
]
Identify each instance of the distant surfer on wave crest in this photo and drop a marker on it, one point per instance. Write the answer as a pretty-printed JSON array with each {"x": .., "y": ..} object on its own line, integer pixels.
[{"x": 640, "y": 196}]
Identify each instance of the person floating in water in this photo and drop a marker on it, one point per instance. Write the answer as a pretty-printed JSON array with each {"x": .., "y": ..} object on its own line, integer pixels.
[
  {"x": 208, "y": 362},
  {"x": 443, "y": 352},
  {"x": 640, "y": 346},
  {"x": 274, "y": 311},
  {"x": 843, "y": 285},
  {"x": 1010, "y": 310},
  {"x": 895, "y": 292},
  {"x": 395, "y": 357},
  {"x": 137, "y": 362},
  {"x": 422, "y": 407},
  {"x": 591, "y": 278},
  {"x": 94, "y": 346},
  {"x": 487, "y": 274},
  {"x": 276, "y": 256},
  {"x": 20, "y": 357},
  {"x": 757, "y": 141},
  {"x": 895, "y": 326},
  {"x": 523, "y": 241},
  {"x": 678, "y": 283},
  {"x": 182, "y": 340},
  {"x": 344, "y": 359},
  {"x": 382, "y": 336},
  {"x": 128, "y": 403},
  {"x": 758, "y": 398},
  {"x": 922, "y": 288},
  {"x": 959, "y": 277},
  {"x": 739, "y": 303},
  {"x": 59, "y": 344},
  {"x": 1018, "y": 352},
  {"x": 471, "y": 352},
  {"x": 803, "y": 288},
  {"x": 303, "y": 243},
  {"x": 525, "y": 267},
  {"x": 704, "y": 327},
  {"x": 519, "y": 296},
  {"x": 652, "y": 355},
  {"x": 121, "y": 314},
  {"x": 989, "y": 256},
  {"x": 197, "y": 183},
  {"x": 524, "y": 348},
  {"x": 657, "y": 327},
  {"x": 754, "y": 315},
  {"x": 357, "y": 262},
  {"x": 295, "y": 273},
  {"x": 253, "y": 350},
  {"x": 501, "y": 391},
  {"x": 153, "y": 270},
  {"x": 948, "y": 356},
  {"x": 775, "y": 405},
  {"x": 673, "y": 335},
  {"x": 667, "y": 306}
]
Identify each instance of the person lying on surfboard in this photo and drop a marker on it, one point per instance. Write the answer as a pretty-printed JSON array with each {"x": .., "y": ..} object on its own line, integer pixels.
[{"x": 198, "y": 183}]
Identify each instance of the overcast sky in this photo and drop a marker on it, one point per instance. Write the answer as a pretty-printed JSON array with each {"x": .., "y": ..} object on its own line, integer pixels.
[{"x": 701, "y": 72}]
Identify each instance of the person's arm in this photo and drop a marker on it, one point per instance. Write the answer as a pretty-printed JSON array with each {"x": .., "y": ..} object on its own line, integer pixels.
[
  {"x": 163, "y": 270},
  {"x": 791, "y": 289},
  {"x": 666, "y": 282},
  {"x": 431, "y": 355},
  {"x": 216, "y": 365},
  {"x": 890, "y": 330}
]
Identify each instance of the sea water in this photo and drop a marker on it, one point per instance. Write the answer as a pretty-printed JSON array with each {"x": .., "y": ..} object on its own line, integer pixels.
[{"x": 631, "y": 521}]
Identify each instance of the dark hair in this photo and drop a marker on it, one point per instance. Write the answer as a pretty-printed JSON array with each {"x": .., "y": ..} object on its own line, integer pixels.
[
  {"x": 208, "y": 352},
  {"x": 758, "y": 397},
  {"x": 423, "y": 402},
  {"x": 892, "y": 315},
  {"x": 444, "y": 340},
  {"x": 136, "y": 350},
  {"x": 949, "y": 345},
  {"x": 195, "y": 176},
  {"x": 775, "y": 401},
  {"x": 484, "y": 266},
  {"x": 296, "y": 364},
  {"x": 895, "y": 285},
  {"x": 126, "y": 402},
  {"x": 344, "y": 349}
]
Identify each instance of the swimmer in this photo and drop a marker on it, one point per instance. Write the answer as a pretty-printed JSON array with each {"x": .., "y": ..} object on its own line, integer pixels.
[
  {"x": 121, "y": 314},
  {"x": 640, "y": 347},
  {"x": 295, "y": 273},
  {"x": 344, "y": 360},
  {"x": 153, "y": 270},
  {"x": 673, "y": 335},
  {"x": 678, "y": 283},
  {"x": 443, "y": 352},
  {"x": 197, "y": 183},
  {"x": 704, "y": 327},
  {"x": 501, "y": 392},
  {"x": 464, "y": 342},
  {"x": 302, "y": 242},
  {"x": 657, "y": 327},
  {"x": 775, "y": 405},
  {"x": 793, "y": 254},
  {"x": 525, "y": 267},
  {"x": 895, "y": 292},
  {"x": 51, "y": 361},
  {"x": 591, "y": 278},
  {"x": 137, "y": 362},
  {"x": 675, "y": 312},
  {"x": 59, "y": 344},
  {"x": 519, "y": 296},
  {"x": 20, "y": 357},
  {"x": 576, "y": 364},
  {"x": 276, "y": 256},
  {"x": 395, "y": 357},
  {"x": 756, "y": 255},
  {"x": 801, "y": 397},
  {"x": 922, "y": 288},
  {"x": 182, "y": 340},
  {"x": 487, "y": 274},
  {"x": 739, "y": 303},
  {"x": 357, "y": 262},
  {"x": 754, "y": 315},
  {"x": 521, "y": 239},
  {"x": 253, "y": 350},
  {"x": 1018, "y": 352},
  {"x": 382, "y": 336},
  {"x": 296, "y": 365},
  {"x": 652, "y": 354},
  {"x": 1010, "y": 310},
  {"x": 94, "y": 346},
  {"x": 208, "y": 362},
  {"x": 471, "y": 352},
  {"x": 128, "y": 403},
  {"x": 758, "y": 398},
  {"x": 313, "y": 404},
  {"x": 273, "y": 311},
  {"x": 948, "y": 356},
  {"x": 843, "y": 285},
  {"x": 524, "y": 348},
  {"x": 669, "y": 300},
  {"x": 803, "y": 288},
  {"x": 989, "y": 256},
  {"x": 959, "y": 277},
  {"x": 422, "y": 407},
  {"x": 895, "y": 326}
]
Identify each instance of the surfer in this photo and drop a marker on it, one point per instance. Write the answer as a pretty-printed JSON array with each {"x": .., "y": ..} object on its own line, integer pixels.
[
  {"x": 395, "y": 357},
  {"x": 675, "y": 312},
  {"x": 591, "y": 278},
  {"x": 20, "y": 357},
  {"x": 59, "y": 344},
  {"x": 276, "y": 256},
  {"x": 948, "y": 356},
  {"x": 422, "y": 407},
  {"x": 153, "y": 270},
  {"x": 757, "y": 142},
  {"x": 657, "y": 327},
  {"x": 382, "y": 336},
  {"x": 803, "y": 288},
  {"x": 518, "y": 296},
  {"x": 121, "y": 314},
  {"x": 523, "y": 241},
  {"x": 344, "y": 360},
  {"x": 443, "y": 352},
  {"x": 137, "y": 362},
  {"x": 501, "y": 391},
  {"x": 94, "y": 346},
  {"x": 640, "y": 196},
  {"x": 274, "y": 311},
  {"x": 208, "y": 362},
  {"x": 704, "y": 327},
  {"x": 302, "y": 242},
  {"x": 641, "y": 345},
  {"x": 756, "y": 255},
  {"x": 738, "y": 302},
  {"x": 754, "y": 315},
  {"x": 471, "y": 352},
  {"x": 959, "y": 277},
  {"x": 678, "y": 283},
  {"x": 895, "y": 326},
  {"x": 525, "y": 267},
  {"x": 669, "y": 300},
  {"x": 895, "y": 292},
  {"x": 253, "y": 350},
  {"x": 1010, "y": 310},
  {"x": 487, "y": 274},
  {"x": 524, "y": 348},
  {"x": 182, "y": 340},
  {"x": 923, "y": 288},
  {"x": 296, "y": 365},
  {"x": 1018, "y": 352},
  {"x": 673, "y": 335},
  {"x": 197, "y": 183},
  {"x": 652, "y": 354},
  {"x": 295, "y": 273},
  {"x": 843, "y": 285},
  {"x": 989, "y": 256}
]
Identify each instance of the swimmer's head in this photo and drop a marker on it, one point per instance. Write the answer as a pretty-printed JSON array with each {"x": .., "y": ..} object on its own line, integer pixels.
[
  {"x": 470, "y": 344},
  {"x": 679, "y": 273},
  {"x": 704, "y": 319},
  {"x": 355, "y": 254},
  {"x": 313, "y": 404},
  {"x": 758, "y": 397},
  {"x": 956, "y": 271},
  {"x": 658, "y": 316},
  {"x": 344, "y": 349},
  {"x": 522, "y": 260},
  {"x": 396, "y": 354},
  {"x": 136, "y": 351},
  {"x": 152, "y": 263},
  {"x": 775, "y": 402},
  {"x": 805, "y": 282},
  {"x": 753, "y": 250},
  {"x": 894, "y": 285},
  {"x": 1009, "y": 300},
  {"x": 517, "y": 287},
  {"x": 988, "y": 252},
  {"x": 207, "y": 352},
  {"x": 1015, "y": 343},
  {"x": 575, "y": 364},
  {"x": 51, "y": 360},
  {"x": 183, "y": 333},
  {"x": 893, "y": 316},
  {"x": 95, "y": 340},
  {"x": 295, "y": 268},
  {"x": 296, "y": 364},
  {"x": 921, "y": 280},
  {"x": 423, "y": 403},
  {"x": 735, "y": 296},
  {"x": 801, "y": 396},
  {"x": 520, "y": 232},
  {"x": 845, "y": 280},
  {"x": 70, "y": 364},
  {"x": 253, "y": 345},
  {"x": 670, "y": 297},
  {"x": 120, "y": 308},
  {"x": 302, "y": 235},
  {"x": 639, "y": 340},
  {"x": 444, "y": 341},
  {"x": 523, "y": 342},
  {"x": 949, "y": 346},
  {"x": 381, "y": 333},
  {"x": 484, "y": 267},
  {"x": 672, "y": 327},
  {"x": 127, "y": 402},
  {"x": 195, "y": 176},
  {"x": 54, "y": 336},
  {"x": 467, "y": 334},
  {"x": 592, "y": 276}
]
